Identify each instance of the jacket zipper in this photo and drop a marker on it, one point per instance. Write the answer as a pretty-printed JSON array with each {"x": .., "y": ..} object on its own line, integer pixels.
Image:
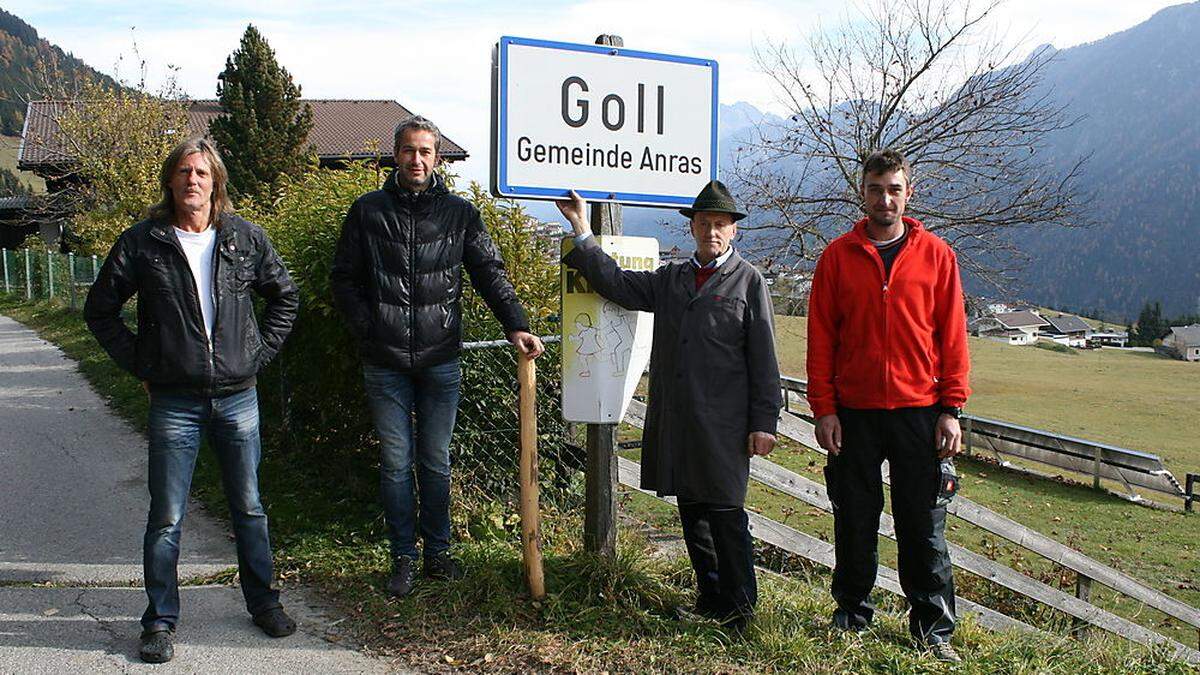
[
  {"x": 212, "y": 291},
  {"x": 412, "y": 281},
  {"x": 887, "y": 275}
]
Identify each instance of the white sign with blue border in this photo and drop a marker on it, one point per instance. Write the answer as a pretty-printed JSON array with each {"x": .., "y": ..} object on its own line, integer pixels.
[{"x": 615, "y": 124}]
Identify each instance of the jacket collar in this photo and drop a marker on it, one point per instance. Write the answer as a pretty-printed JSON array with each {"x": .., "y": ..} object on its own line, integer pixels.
[
  {"x": 914, "y": 230},
  {"x": 437, "y": 188},
  {"x": 723, "y": 271},
  {"x": 162, "y": 230}
]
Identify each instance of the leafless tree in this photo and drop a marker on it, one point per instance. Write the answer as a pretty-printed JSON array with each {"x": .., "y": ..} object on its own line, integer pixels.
[{"x": 927, "y": 78}]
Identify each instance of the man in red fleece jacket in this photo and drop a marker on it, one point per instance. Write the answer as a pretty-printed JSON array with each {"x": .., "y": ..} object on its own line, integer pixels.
[{"x": 887, "y": 379}]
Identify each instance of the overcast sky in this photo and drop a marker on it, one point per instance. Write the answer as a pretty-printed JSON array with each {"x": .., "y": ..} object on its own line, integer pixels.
[{"x": 434, "y": 57}]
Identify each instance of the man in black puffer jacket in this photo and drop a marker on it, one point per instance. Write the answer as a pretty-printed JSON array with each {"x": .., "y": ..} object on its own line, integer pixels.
[
  {"x": 197, "y": 350},
  {"x": 397, "y": 278}
]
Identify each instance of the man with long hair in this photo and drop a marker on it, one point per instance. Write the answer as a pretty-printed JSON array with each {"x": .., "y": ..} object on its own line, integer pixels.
[{"x": 198, "y": 347}]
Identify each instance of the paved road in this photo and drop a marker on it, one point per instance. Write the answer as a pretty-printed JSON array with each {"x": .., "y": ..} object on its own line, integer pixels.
[{"x": 73, "y": 505}]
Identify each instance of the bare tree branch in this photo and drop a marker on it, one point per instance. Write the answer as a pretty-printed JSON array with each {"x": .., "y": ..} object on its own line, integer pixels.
[{"x": 923, "y": 77}]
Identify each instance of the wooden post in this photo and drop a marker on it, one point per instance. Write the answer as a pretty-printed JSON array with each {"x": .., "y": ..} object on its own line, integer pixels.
[
  {"x": 4, "y": 253},
  {"x": 28, "y": 276},
  {"x": 600, "y": 505},
  {"x": 1190, "y": 496},
  {"x": 95, "y": 269},
  {"x": 966, "y": 436},
  {"x": 50, "y": 273},
  {"x": 531, "y": 537},
  {"x": 1096, "y": 470},
  {"x": 1083, "y": 591}
]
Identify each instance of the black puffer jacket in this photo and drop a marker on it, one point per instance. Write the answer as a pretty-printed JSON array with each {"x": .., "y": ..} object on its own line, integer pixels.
[
  {"x": 397, "y": 274},
  {"x": 170, "y": 349}
]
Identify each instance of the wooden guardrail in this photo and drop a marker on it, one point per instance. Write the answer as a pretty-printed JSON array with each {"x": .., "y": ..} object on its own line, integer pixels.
[
  {"x": 1132, "y": 468},
  {"x": 1087, "y": 568},
  {"x": 821, "y": 552}
]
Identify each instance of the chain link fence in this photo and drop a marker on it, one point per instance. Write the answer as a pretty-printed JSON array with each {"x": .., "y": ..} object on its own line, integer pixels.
[
  {"x": 486, "y": 445},
  {"x": 45, "y": 275}
]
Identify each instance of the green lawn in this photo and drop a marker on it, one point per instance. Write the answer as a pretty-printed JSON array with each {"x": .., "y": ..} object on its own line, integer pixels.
[{"x": 8, "y": 160}]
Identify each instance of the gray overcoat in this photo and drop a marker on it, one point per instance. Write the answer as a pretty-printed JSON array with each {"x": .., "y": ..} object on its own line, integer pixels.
[{"x": 713, "y": 373}]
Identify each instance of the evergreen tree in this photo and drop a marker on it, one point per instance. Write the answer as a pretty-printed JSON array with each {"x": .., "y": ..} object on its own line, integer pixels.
[
  {"x": 264, "y": 131},
  {"x": 1150, "y": 325}
]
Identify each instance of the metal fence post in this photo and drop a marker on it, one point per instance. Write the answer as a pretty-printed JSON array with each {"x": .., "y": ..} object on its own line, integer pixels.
[
  {"x": 71, "y": 278},
  {"x": 28, "y": 276},
  {"x": 95, "y": 272},
  {"x": 50, "y": 273},
  {"x": 4, "y": 253}
]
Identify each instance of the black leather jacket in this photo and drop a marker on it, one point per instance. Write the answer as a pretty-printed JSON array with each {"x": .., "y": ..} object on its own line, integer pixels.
[
  {"x": 397, "y": 274},
  {"x": 171, "y": 350}
]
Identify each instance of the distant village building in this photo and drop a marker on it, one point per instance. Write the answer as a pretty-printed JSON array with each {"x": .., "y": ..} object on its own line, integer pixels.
[
  {"x": 789, "y": 291},
  {"x": 1109, "y": 339},
  {"x": 673, "y": 255},
  {"x": 1184, "y": 342},
  {"x": 1068, "y": 330},
  {"x": 1014, "y": 328}
]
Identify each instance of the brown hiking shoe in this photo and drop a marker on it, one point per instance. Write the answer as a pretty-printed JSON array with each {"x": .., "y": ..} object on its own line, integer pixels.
[{"x": 942, "y": 651}]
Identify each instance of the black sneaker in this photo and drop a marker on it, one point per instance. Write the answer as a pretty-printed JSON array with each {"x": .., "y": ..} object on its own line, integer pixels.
[
  {"x": 442, "y": 567},
  {"x": 276, "y": 623},
  {"x": 400, "y": 583},
  {"x": 158, "y": 646}
]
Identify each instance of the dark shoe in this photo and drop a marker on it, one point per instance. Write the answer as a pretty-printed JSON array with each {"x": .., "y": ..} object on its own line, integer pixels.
[
  {"x": 400, "y": 583},
  {"x": 442, "y": 567},
  {"x": 942, "y": 651},
  {"x": 737, "y": 622},
  {"x": 158, "y": 646},
  {"x": 843, "y": 620},
  {"x": 276, "y": 623},
  {"x": 711, "y": 607}
]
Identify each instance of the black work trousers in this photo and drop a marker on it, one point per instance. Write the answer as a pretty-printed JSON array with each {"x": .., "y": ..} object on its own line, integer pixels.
[
  {"x": 904, "y": 437},
  {"x": 722, "y": 554}
]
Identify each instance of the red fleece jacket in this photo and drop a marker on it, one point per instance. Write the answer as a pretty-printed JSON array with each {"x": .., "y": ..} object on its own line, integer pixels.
[{"x": 876, "y": 342}]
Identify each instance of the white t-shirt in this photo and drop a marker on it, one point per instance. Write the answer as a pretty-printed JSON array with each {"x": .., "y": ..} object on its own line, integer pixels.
[{"x": 198, "y": 248}]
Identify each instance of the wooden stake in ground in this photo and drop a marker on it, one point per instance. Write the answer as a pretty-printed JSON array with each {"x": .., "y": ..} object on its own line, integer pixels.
[{"x": 531, "y": 536}]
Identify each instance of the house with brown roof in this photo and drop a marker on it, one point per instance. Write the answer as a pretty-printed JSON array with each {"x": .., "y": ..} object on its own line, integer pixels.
[
  {"x": 1014, "y": 328},
  {"x": 1068, "y": 330},
  {"x": 1184, "y": 342},
  {"x": 343, "y": 130}
]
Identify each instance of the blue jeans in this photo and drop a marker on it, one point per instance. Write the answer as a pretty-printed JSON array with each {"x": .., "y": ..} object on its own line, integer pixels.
[
  {"x": 414, "y": 416},
  {"x": 175, "y": 425}
]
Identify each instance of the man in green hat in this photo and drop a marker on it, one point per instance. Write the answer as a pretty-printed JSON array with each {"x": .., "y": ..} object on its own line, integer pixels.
[{"x": 714, "y": 389}]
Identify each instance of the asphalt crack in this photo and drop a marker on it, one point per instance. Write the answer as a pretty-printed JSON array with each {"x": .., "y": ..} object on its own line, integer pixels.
[{"x": 116, "y": 638}]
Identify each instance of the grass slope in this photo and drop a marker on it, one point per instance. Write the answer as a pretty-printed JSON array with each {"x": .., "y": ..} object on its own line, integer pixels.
[
  {"x": 598, "y": 616},
  {"x": 8, "y": 160}
]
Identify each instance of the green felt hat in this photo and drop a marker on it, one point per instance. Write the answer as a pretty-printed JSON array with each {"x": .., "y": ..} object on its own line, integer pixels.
[{"x": 715, "y": 197}]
